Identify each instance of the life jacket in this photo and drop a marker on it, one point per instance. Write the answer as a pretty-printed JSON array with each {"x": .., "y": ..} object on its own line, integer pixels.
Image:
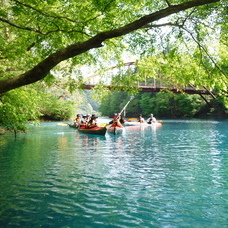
[{"x": 115, "y": 124}]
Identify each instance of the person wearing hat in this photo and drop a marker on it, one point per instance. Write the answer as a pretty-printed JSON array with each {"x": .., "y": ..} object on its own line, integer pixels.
[
  {"x": 93, "y": 121},
  {"x": 84, "y": 121},
  {"x": 151, "y": 119}
]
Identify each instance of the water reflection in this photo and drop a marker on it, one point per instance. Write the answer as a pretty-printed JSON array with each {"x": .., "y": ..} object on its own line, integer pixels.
[
  {"x": 89, "y": 141},
  {"x": 62, "y": 142}
]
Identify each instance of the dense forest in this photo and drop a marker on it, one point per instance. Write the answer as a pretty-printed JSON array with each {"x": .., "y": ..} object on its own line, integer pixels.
[{"x": 163, "y": 105}]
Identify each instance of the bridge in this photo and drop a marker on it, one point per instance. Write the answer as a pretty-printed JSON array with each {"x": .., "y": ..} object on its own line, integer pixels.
[
  {"x": 108, "y": 78},
  {"x": 154, "y": 88}
]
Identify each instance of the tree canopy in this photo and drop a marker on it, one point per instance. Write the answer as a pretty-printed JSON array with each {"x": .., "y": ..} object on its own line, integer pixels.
[
  {"x": 163, "y": 105},
  {"x": 37, "y": 36}
]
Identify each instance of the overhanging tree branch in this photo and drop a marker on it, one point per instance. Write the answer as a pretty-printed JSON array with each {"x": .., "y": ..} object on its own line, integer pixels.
[
  {"x": 42, "y": 69},
  {"x": 39, "y": 31},
  {"x": 45, "y": 14}
]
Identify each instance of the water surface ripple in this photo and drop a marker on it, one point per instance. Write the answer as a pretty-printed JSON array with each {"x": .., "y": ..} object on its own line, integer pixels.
[{"x": 172, "y": 176}]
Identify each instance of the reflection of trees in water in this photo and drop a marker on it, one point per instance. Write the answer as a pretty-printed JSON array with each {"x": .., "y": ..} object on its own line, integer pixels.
[
  {"x": 62, "y": 142},
  {"x": 89, "y": 142},
  {"x": 118, "y": 145}
]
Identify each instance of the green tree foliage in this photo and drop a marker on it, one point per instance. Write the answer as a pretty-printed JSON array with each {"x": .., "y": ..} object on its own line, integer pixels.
[
  {"x": 23, "y": 104},
  {"x": 181, "y": 69},
  {"x": 170, "y": 105},
  {"x": 57, "y": 109},
  {"x": 37, "y": 36},
  {"x": 113, "y": 103},
  {"x": 18, "y": 106},
  {"x": 163, "y": 105},
  {"x": 145, "y": 103}
]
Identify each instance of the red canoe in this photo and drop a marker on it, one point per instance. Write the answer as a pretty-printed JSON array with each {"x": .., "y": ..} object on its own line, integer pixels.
[
  {"x": 93, "y": 130},
  {"x": 115, "y": 130}
]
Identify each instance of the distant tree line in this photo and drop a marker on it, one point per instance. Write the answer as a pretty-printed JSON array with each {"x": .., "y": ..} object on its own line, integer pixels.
[{"x": 163, "y": 105}]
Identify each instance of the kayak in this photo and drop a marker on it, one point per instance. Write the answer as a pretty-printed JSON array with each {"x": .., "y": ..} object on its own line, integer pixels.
[
  {"x": 93, "y": 130},
  {"x": 134, "y": 123},
  {"x": 115, "y": 130}
]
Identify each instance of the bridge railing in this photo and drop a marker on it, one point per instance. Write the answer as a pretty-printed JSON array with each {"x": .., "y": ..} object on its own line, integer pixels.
[
  {"x": 162, "y": 85},
  {"x": 148, "y": 84}
]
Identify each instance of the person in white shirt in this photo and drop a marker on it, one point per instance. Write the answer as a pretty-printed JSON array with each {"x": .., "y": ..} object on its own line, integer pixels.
[{"x": 151, "y": 119}]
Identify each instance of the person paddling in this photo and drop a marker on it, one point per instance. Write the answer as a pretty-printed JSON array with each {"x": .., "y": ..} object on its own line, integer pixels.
[
  {"x": 122, "y": 121},
  {"x": 117, "y": 121}
]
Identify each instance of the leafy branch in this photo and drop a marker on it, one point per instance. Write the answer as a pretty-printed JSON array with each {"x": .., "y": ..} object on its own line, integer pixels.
[
  {"x": 45, "y": 14},
  {"x": 40, "y": 71},
  {"x": 201, "y": 47},
  {"x": 39, "y": 31},
  {"x": 56, "y": 16}
]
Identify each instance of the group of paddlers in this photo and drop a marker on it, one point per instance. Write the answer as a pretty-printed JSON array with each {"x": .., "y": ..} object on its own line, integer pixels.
[
  {"x": 119, "y": 120},
  {"x": 150, "y": 120},
  {"x": 90, "y": 121},
  {"x": 86, "y": 121}
]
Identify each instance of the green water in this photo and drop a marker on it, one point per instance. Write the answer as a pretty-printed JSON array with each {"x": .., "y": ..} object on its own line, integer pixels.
[{"x": 175, "y": 175}]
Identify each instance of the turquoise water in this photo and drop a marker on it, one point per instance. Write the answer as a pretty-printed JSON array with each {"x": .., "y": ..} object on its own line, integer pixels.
[{"x": 175, "y": 175}]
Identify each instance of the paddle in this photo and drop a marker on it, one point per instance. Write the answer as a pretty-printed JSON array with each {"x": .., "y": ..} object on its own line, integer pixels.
[
  {"x": 131, "y": 98},
  {"x": 119, "y": 114}
]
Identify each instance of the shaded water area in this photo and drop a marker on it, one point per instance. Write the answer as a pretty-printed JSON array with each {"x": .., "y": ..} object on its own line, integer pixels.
[{"x": 175, "y": 175}]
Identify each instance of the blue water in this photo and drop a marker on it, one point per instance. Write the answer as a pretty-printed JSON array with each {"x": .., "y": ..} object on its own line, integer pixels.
[{"x": 175, "y": 175}]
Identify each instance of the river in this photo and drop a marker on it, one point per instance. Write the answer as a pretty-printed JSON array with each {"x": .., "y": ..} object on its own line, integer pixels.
[{"x": 175, "y": 175}]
